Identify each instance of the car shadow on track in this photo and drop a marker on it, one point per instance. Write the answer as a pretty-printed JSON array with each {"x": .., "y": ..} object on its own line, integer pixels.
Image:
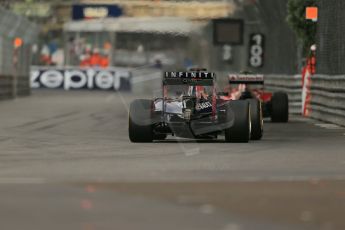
[{"x": 190, "y": 141}]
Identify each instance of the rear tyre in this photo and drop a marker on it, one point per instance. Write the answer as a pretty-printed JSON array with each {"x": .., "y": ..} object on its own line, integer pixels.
[
  {"x": 280, "y": 107},
  {"x": 256, "y": 119},
  {"x": 140, "y": 122},
  {"x": 239, "y": 132}
]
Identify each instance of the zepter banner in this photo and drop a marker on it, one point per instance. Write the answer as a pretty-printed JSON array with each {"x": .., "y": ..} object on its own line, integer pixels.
[{"x": 81, "y": 78}]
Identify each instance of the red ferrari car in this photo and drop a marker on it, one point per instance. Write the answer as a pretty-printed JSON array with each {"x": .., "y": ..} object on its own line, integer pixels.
[{"x": 250, "y": 86}]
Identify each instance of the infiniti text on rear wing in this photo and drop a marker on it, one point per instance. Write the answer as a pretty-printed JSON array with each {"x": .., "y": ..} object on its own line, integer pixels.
[
  {"x": 248, "y": 79},
  {"x": 189, "y": 78}
]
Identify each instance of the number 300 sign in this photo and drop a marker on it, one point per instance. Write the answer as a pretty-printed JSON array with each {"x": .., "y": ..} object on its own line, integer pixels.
[{"x": 256, "y": 50}]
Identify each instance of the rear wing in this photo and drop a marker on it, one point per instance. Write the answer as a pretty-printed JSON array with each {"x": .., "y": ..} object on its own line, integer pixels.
[
  {"x": 189, "y": 78},
  {"x": 248, "y": 79}
]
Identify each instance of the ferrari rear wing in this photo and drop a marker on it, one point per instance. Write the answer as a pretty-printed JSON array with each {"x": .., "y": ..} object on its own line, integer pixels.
[
  {"x": 201, "y": 78},
  {"x": 248, "y": 79}
]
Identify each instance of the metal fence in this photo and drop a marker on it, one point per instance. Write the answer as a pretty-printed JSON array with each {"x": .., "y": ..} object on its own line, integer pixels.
[
  {"x": 331, "y": 37},
  {"x": 15, "y": 63}
]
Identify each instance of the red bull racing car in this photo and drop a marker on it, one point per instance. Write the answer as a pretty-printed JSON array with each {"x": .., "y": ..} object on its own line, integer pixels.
[{"x": 189, "y": 108}]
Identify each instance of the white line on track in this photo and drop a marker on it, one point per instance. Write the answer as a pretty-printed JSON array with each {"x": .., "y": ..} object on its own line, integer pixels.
[
  {"x": 286, "y": 178},
  {"x": 232, "y": 226},
  {"x": 329, "y": 126},
  {"x": 206, "y": 209},
  {"x": 21, "y": 180}
]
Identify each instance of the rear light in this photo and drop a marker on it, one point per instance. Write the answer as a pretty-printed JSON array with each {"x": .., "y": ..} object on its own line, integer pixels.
[{"x": 266, "y": 96}]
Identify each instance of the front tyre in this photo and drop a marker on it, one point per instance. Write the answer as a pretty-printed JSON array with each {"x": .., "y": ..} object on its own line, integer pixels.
[
  {"x": 239, "y": 132},
  {"x": 256, "y": 119},
  {"x": 140, "y": 122},
  {"x": 280, "y": 107}
]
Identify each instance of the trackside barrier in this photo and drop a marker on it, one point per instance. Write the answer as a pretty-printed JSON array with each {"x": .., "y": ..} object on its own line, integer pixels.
[
  {"x": 15, "y": 60},
  {"x": 5, "y": 86},
  {"x": 327, "y": 95},
  {"x": 68, "y": 78},
  {"x": 328, "y": 98}
]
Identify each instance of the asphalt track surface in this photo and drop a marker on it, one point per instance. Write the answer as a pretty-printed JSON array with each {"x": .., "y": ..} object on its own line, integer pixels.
[{"x": 66, "y": 163}]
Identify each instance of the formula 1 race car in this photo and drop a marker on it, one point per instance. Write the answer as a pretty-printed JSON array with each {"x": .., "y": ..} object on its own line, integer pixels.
[
  {"x": 189, "y": 108},
  {"x": 249, "y": 86}
]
